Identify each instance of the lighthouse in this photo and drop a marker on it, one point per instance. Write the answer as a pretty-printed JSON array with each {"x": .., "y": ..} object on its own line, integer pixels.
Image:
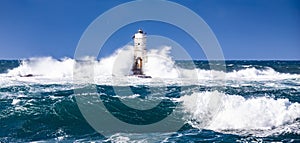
[{"x": 139, "y": 54}]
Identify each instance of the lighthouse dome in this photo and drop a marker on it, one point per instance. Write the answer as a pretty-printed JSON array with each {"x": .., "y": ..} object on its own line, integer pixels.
[{"x": 140, "y": 31}]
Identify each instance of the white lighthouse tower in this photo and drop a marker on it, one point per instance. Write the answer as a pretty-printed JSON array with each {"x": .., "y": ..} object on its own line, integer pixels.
[{"x": 140, "y": 56}]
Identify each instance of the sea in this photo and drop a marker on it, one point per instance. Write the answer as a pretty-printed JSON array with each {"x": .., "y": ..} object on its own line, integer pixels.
[{"x": 43, "y": 99}]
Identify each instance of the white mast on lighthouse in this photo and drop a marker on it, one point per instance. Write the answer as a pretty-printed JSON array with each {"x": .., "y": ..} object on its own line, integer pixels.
[{"x": 140, "y": 56}]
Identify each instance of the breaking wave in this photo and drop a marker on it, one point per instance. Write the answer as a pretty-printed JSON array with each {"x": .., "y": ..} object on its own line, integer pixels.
[
  {"x": 233, "y": 113},
  {"x": 160, "y": 65}
]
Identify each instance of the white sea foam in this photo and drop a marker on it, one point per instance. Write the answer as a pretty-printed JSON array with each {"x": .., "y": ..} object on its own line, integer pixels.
[
  {"x": 160, "y": 66},
  {"x": 44, "y": 66},
  {"x": 137, "y": 138},
  {"x": 15, "y": 101},
  {"x": 219, "y": 111}
]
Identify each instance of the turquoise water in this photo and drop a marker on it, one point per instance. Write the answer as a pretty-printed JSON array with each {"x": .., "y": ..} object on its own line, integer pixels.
[{"x": 258, "y": 101}]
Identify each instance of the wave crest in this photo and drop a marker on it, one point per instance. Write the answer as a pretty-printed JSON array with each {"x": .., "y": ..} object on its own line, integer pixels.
[
  {"x": 160, "y": 65},
  {"x": 219, "y": 111}
]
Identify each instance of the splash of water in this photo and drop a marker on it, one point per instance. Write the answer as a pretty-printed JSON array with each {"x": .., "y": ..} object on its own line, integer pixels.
[
  {"x": 219, "y": 111},
  {"x": 160, "y": 65}
]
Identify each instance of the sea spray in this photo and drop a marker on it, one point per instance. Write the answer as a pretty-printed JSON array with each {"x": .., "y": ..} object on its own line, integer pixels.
[
  {"x": 236, "y": 113},
  {"x": 160, "y": 65},
  {"x": 258, "y": 102},
  {"x": 44, "y": 66}
]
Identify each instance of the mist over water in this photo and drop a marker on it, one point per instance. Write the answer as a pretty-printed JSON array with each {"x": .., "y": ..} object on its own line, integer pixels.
[{"x": 252, "y": 100}]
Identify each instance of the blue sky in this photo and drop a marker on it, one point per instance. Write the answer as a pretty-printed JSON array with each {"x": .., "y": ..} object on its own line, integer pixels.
[{"x": 247, "y": 29}]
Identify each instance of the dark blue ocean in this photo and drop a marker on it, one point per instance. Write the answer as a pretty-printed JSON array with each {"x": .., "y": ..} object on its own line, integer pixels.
[{"x": 252, "y": 101}]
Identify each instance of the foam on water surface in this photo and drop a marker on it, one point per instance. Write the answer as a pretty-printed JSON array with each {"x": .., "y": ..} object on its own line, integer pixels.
[
  {"x": 219, "y": 111},
  {"x": 113, "y": 70}
]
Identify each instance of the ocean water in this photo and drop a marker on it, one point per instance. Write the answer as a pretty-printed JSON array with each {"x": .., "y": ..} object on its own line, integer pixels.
[{"x": 251, "y": 101}]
